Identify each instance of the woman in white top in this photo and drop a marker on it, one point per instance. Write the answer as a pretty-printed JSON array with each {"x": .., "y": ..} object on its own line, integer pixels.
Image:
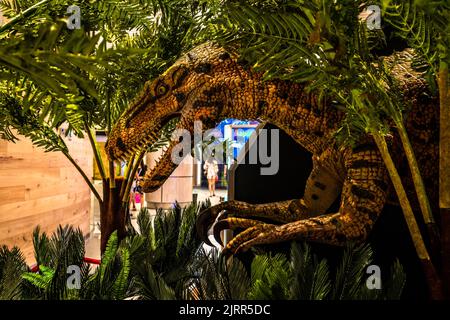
[{"x": 211, "y": 168}]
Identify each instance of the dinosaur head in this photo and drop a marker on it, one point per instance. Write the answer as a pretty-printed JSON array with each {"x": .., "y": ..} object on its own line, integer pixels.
[
  {"x": 160, "y": 101},
  {"x": 191, "y": 89}
]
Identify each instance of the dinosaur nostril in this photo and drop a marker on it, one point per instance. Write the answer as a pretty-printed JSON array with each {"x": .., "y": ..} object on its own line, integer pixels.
[
  {"x": 121, "y": 145},
  {"x": 180, "y": 97}
]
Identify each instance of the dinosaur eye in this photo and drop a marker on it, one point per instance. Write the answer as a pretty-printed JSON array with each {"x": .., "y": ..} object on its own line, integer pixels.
[{"x": 161, "y": 89}]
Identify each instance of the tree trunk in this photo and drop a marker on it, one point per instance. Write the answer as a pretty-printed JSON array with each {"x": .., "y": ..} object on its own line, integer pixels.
[
  {"x": 432, "y": 278},
  {"x": 112, "y": 213}
]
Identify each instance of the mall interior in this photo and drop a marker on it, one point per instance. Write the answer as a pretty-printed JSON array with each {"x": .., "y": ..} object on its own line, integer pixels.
[{"x": 224, "y": 150}]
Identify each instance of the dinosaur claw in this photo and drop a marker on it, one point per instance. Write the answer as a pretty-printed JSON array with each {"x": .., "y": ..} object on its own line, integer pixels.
[
  {"x": 204, "y": 221},
  {"x": 202, "y": 225},
  {"x": 218, "y": 227}
]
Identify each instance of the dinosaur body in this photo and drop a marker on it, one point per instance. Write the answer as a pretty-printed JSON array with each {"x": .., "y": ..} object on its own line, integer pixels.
[{"x": 210, "y": 84}]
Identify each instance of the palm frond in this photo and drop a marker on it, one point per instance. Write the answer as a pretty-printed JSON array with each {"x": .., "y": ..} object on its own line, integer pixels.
[
  {"x": 311, "y": 278},
  {"x": 411, "y": 24},
  {"x": 55, "y": 254},
  {"x": 274, "y": 42},
  {"x": 393, "y": 288},
  {"x": 43, "y": 279},
  {"x": 270, "y": 278},
  {"x": 153, "y": 287},
  {"x": 351, "y": 272},
  {"x": 121, "y": 283},
  {"x": 12, "y": 266}
]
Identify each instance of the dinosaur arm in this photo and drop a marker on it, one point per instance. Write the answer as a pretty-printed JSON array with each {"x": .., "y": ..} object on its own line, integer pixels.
[
  {"x": 322, "y": 188},
  {"x": 363, "y": 197}
]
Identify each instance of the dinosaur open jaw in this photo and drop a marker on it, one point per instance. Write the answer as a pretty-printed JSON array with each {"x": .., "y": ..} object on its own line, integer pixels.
[{"x": 152, "y": 136}]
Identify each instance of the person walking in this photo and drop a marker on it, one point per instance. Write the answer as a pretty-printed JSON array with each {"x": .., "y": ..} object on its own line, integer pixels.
[
  {"x": 211, "y": 168},
  {"x": 136, "y": 188}
]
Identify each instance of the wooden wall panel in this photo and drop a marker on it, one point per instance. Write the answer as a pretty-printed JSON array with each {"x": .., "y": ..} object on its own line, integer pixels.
[{"x": 38, "y": 188}]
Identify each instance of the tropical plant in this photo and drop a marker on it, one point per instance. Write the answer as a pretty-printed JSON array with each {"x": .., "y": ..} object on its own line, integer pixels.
[
  {"x": 111, "y": 279},
  {"x": 168, "y": 246},
  {"x": 425, "y": 26},
  {"x": 54, "y": 255},
  {"x": 65, "y": 249},
  {"x": 12, "y": 266},
  {"x": 165, "y": 260},
  {"x": 301, "y": 276}
]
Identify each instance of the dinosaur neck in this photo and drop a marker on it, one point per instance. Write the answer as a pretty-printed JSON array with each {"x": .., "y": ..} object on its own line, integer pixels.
[{"x": 286, "y": 105}]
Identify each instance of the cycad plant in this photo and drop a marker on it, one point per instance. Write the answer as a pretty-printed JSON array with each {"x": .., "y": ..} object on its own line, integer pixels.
[
  {"x": 301, "y": 276},
  {"x": 164, "y": 260},
  {"x": 163, "y": 251},
  {"x": 12, "y": 266},
  {"x": 61, "y": 256},
  {"x": 54, "y": 255},
  {"x": 111, "y": 280}
]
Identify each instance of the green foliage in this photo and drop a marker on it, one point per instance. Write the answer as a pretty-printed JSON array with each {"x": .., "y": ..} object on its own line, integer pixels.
[
  {"x": 27, "y": 123},
  {"x": 164, "y": 260},
  {"x": 12, "y": 266},
  {"x": 213, "y": 278},
  {"x": 41, "y": 280},
  {"x": 269, "y": 277},
  {"x": 54, "y": 255},
  {"x": 304, "y": 277},
  {"x": 111, "y": 279},
  {"x": 169, "y": 246},
  {"x": 310, "y": 277},
  {"x": 425, "y": 25},
  {"x": 272, "y": 41},
  {"x": 301, "y": 276},
  {"x": 325, "y": 45},
  {"x": 54, "y": 75},
  {"x": 350, "y": 274}
]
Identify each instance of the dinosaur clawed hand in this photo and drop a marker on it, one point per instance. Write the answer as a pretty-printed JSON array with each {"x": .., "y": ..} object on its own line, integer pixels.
[
  {"x": 255, "y": 232},
  {"x": 232, "y": 223},
  {"x": 261, "y": 233}
]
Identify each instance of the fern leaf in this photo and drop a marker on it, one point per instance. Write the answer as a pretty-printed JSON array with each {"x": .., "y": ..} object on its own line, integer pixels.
[{"x": 121, "y": 283}]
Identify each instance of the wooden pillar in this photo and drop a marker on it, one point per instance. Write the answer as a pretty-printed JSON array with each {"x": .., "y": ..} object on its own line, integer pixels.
[{"x": 178, "y": 186}]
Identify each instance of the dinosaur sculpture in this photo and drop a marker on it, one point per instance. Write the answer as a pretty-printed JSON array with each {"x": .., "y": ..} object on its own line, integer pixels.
[{"x": 211, "y": 84}]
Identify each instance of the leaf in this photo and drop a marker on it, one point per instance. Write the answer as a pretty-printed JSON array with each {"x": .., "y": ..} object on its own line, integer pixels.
[
  {"x": 121, "y": 282},
  {"x": 12, "y": 267},
  {"x": 351, "y": 271}
]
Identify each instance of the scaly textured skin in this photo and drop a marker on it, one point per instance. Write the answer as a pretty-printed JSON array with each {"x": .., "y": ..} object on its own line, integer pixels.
[{"x": 211, "y": 84}]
